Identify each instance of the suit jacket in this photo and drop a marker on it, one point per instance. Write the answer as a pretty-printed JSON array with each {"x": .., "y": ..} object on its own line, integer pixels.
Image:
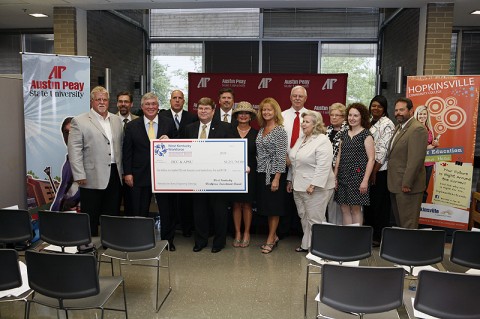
[
  {"x": 216, "y": 117},
  {"x": 406, "y": 157},
  {"x": 311, "y": 164},
  {"x": 133, "y": 116},
  {"x": 136, "y": 149},
  {"x": 218, "y": 129},
  {"x": 187, "y": 118},
  {"x": 89, "y": 149}
]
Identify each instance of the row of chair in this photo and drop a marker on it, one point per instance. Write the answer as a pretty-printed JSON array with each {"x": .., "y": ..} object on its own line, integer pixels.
[
  {"x": 366, "y": 290},
  {"x": 125, "y": 239},
  {"x": 406, "y": 247}
]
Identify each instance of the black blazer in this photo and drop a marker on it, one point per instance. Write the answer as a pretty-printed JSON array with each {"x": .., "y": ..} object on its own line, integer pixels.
[
  {"x": 218, "y": 129},
  {"x": 136, "y": 148},
  {"x": 216, "y": 117},
  {"x": 187, "y": 118}
]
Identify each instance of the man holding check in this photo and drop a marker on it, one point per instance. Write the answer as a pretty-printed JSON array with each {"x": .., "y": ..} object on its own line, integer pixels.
[{"x": 205, "y": 203}]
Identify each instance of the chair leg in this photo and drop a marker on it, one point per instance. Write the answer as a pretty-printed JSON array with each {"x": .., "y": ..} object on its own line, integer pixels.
[
  {"x": 157, "y": 306},
  {"x": 305, "y": 299},
  {"x": 124, "y": 299}
]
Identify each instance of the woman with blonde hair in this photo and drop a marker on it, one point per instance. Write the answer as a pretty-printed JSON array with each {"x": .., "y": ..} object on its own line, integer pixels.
[
  {"x": 423, "y": 116},
  {"x": 310, "y": 175},
  {"x": 272, "y": 148}
]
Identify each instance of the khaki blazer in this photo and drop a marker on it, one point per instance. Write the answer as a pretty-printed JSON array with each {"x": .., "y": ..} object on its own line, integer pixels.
[
  {"x": 406, "y": 158},
  {"x": 89, "y": 149}
]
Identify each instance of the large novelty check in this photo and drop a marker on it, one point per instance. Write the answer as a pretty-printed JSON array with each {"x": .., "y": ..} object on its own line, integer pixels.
[{"x": 196, "y": 166}]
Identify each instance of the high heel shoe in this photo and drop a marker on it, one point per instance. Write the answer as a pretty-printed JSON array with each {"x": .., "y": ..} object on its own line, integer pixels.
[
  {"x": 268, "y": 248},
  {"x": 237, "y": 243},
  {"x": 274, "y": 244}
]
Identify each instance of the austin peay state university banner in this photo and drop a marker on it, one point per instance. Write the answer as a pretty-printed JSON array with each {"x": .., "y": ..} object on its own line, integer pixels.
[
  {"x": 323, "y": 89},
  {"x": 54, "y": 88},
  {"x": 449, "y": 106}
]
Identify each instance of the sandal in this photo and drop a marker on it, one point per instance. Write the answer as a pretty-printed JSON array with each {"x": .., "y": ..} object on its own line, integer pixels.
[
  {"x": 268, "y": 248},
  {"x": 237, "y": 243},
  {"x": 301, "y": 250},
  {"x": 245, "y": 243},
  {"x": 275, "y": 243}
]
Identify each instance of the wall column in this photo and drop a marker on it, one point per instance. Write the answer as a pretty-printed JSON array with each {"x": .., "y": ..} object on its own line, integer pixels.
[
  {"x": 65, "y": 30},
  {"x": 438, "y": 38}
]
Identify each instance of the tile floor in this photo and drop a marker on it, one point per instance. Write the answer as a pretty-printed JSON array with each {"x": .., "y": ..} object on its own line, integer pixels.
[{"x": 239, "y": 283}]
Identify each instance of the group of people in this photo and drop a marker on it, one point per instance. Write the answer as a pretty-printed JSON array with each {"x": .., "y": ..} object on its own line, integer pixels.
[{"x": 361, "y": 164}]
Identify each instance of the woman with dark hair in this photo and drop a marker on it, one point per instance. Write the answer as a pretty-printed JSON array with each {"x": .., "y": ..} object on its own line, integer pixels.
[
  {"x": 243, "y": 114},
  {"x": 377, "y": 214},
  {"x": 355, "y": 160}
]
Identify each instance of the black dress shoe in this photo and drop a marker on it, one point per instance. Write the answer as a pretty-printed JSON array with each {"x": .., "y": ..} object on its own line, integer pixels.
[
  {"x": 171, "y": 246},
  {"x": 216, "y": 250},
  {"x": 197, "y": 248}
]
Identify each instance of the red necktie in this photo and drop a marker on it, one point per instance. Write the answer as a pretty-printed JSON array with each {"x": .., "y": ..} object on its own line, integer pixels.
[{"x": 295, "y": 130}]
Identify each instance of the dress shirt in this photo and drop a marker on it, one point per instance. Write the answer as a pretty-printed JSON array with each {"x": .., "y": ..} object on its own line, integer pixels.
[
  {"x": 105, "y": 123},
  {"x": 207, "y": 129},
  {"x": 229, "y": 115},
  {"x": 155, "y": 124},
  {"x": 288, "y": 118},
  {"x": 128, "y": 117},
  {"x": 179, "y": 115}
]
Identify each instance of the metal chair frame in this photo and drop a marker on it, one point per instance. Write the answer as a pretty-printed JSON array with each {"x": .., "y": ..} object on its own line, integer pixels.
[
  {"x": 131, "y": 240},
  {"x": 340, "y": 244}
]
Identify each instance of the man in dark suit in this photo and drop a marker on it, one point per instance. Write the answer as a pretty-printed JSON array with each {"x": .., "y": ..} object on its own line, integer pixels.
[
  {"x": 406, "y": 170},
  {"x": 182, "y": 203},
  {"x": 206, "y": 127},
  {"x": 179, "y": 117},
  {"x": 136, "y": 163},
  {"x": 226, "y": 100},
  {"x": 95, "y": 153}
]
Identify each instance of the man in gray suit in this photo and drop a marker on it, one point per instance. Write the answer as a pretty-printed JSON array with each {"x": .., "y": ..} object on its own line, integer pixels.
[
  {"x": 95, "y": 153},
  {"x": 406, "y": 170}
]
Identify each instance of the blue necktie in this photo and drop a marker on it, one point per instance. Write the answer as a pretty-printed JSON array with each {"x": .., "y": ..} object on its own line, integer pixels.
[{"x": 177, "y": 122}]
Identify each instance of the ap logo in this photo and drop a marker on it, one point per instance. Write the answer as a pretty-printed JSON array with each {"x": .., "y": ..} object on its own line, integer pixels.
[
  {"x": 328, "y": 85},
  {"x": 264, "y": 83},
  {"x": 203, "y": 83}
]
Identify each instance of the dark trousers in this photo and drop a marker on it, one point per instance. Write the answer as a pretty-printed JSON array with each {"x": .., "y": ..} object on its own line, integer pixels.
[
  {"x": 184, "y": 211},
  {"x": 141, "y": 199},
  {"x": 428, "y": 175},
  {"x": 127, "y": 200},
  {"x": 377, "y": 214},
  {"x": 96, "y": 202},
  {"x": 204, "y": 205}
]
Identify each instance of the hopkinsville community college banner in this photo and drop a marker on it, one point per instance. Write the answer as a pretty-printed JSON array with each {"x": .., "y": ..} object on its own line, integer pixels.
[
  {"x": 323, "y": 89},
  {"x": 54, "y": 88},
  {"x": 451, "y": 106}
]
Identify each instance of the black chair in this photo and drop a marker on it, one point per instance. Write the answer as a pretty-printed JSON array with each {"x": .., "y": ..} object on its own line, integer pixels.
[
  {"x": 361, "y": 290},
  {"x": 15, "y": 227},
  {"x": 132, "y": 240},
  {"x": 70, "y": 282},
  {"x": 339, "y": 244},
  {"x": 465, "y": 249},
  {"x": 10, "y": 277},
  {"x": 64, "y": 229},
  {"x": 412, "y": 247},
  {"x": 448, "y": 295}
]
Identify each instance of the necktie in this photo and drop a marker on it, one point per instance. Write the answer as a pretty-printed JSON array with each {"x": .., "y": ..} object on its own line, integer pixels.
[
  {"x": 124, "y": 123},
  {"x": 203, "y": 134},
  {"x": 225, "y": 117},
  {"x": 295, "y": 130},
  {"x": 151, "y": 130},
  {"x": 177, "y": 122}
]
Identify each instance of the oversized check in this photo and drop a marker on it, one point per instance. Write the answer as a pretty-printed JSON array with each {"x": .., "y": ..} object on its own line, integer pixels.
[{"x": 197, "y": 166}]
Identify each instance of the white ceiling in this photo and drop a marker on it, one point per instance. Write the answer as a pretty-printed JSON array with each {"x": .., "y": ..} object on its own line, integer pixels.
[{"x": 14, "y": 14}]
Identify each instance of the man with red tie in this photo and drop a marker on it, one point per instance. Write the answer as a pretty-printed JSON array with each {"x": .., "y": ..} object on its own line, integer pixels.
[{"x": 292, "y": 119}]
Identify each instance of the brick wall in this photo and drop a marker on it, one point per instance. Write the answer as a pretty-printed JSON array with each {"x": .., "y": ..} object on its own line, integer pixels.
[
  {"x": 119, "y": 45},
  {"x": 438, "y": 38},
  {"x": 65, "y": 30},
  {"x": 400, "y": 48}
]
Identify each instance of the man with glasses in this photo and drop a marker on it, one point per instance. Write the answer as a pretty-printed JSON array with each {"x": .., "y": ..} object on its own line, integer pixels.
[
  {"x": 124, "y": 105},
  {"x": 136, "y": 164},
  {"x": 95, "y": 153}
]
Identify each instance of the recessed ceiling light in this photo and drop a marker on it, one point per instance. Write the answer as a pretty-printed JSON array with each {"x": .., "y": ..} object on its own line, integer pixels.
[
  {"x": 38, "y": 15},
  {"x": 475, "y": 12}
]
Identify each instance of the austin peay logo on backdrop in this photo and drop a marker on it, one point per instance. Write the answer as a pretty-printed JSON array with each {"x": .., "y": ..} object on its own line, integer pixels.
[
  {"x": 328, "y": 85},
  {"x": 56, "y": 82},
  {"x": 264, "y": 83},
  {"x": 203, "y": 83}
]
